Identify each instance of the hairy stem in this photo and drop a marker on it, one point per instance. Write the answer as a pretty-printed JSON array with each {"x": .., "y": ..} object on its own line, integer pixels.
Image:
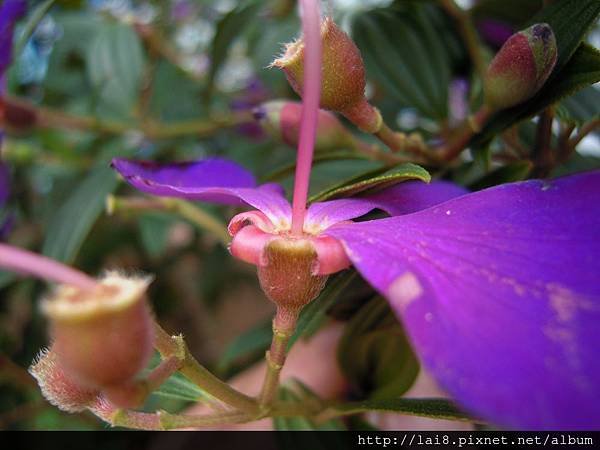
[
  {"x": 199, "y": 375},
  {"x": 284, "y": 325}
]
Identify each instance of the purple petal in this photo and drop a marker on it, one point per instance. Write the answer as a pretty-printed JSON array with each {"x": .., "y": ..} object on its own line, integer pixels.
[
  {"x": 10, "y": 12},
  {"x": 499, "y": 291},
  {"x": 403, "y": 198},
  {"x": 494, "y": 32},
  {"x": 213, "y": 180},
  {"x": 413, "y": 196}
]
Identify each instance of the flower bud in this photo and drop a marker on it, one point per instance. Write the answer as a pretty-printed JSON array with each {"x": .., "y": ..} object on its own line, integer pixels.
[
  {"x": 343, "y": 76},
  {"x": 57, "y": 386},
  {"x": 281, "y": 119},
  {"x": 102, "y": 338},
  {"x": 288, "y": 278},
  {"x": 521, "y": 67}
]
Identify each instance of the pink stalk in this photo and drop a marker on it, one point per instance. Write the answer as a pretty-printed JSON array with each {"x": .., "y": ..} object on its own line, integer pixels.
[
  {"x": 311, "y": 28},
  {"x": 28, "y": 263}
]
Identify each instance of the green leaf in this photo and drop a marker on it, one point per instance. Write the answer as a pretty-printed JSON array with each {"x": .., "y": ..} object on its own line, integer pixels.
[
  {"x": 289, "y": 169},
  {"x": 515, "y": 12},
  {"x": 576, "y": 163},
  {"x": 154, "y": 228},
  {"x": 248, "y": 347},
  {"x": 406, "y": 49},
  {"x": 313, "y": 315},
  {"x": 580, "y": 107},
  {"x": 375, "y": 355},
  {"x": 435, "y": 408},
  {"x": 297, "y": 392},
  {"x": 511, "y": 172},
  {"x": 374, "y": 179},
  {"x": 115, "y": 65},
  {"x": 180, "y": 388},
  {"x": 72, "y": 222},
  {"x": 228, "y": 29}
]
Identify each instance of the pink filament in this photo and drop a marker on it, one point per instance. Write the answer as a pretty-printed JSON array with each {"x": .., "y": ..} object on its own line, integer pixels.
[
  {"x": 28, "y": 263},
  {"x": 311, "y": 95}
]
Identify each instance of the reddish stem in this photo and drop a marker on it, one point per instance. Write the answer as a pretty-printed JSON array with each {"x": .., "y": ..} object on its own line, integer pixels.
[
  {"x": 28, "y": 263},
  {"x": 311, "y": 95}
]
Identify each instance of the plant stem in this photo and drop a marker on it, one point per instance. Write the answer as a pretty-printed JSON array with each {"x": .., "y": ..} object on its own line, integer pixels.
[
  {"x": 29, "y": 263},
  {"x": 397, "y": 141},
  {"x": 284, "y": 325},
  {"x": 584, "y": 130},
  {"x": 198, "y": 217},
  {"x": 199, "y": 375},
  {"x": 543, "y": 158},
  {"x": 164, "y": 421},
  {"x": 468, "y": 34},
  {"x": 472, "y": 125},
  {"x": 51, "y": 118},
  {"x": 275, "y": 358}
]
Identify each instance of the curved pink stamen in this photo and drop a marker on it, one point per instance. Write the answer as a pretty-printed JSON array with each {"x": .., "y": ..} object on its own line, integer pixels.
[
  {"x": 28, "y": 263},
  {"x": 311, "y": 95}
]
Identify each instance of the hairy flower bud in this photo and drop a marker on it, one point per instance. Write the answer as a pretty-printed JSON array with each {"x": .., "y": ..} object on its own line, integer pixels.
[
  {"x": 281, "y": 119},
  {"x": 343, "y": 76},
  {"x": 521, "y": 67},
  {"x": 288, "y": 278},
  {"x": 103, "y": 338},
  {"x": 57, "y": 386}
]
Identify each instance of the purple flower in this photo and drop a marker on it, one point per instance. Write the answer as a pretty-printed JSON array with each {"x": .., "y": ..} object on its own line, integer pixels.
[
  {"x": 494, "y": 32},
  {"x": 10, "y": 12},
  {"x": 497, "y": 289},
  {"x": 251, "y": 96}
]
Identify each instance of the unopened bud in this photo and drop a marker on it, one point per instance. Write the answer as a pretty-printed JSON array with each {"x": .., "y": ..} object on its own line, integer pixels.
[
  {"x": 343, "y": 76},
  {"x": 57, "y": 386},
  {"x": 521, "y": 67},
  {"x": 103, "y": 338},
  {"x": 281, "y": 119},
  {"x": 288, "y": 278}
]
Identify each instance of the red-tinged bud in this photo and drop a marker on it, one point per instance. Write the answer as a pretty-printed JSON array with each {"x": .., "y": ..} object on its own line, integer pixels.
[
  {"x": 281, "y": 119},
  {"x": 103, "y": 338},
  {"x": 343, "y": 76},
  {"x": 521, "y": 67},
  {"x": 57, "y": 386}
]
